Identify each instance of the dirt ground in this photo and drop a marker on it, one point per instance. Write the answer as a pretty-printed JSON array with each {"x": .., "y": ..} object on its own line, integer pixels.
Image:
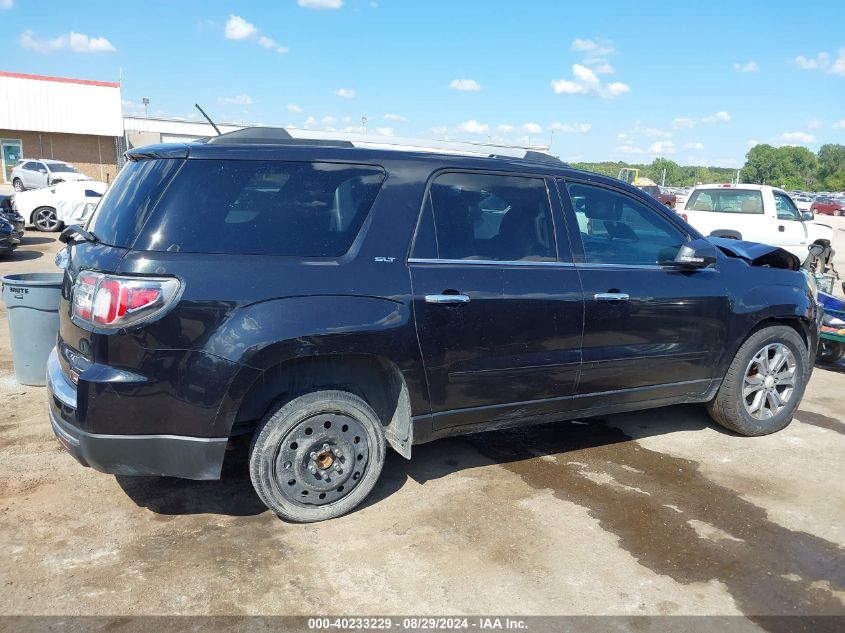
[{"x": 657, "y": 512}]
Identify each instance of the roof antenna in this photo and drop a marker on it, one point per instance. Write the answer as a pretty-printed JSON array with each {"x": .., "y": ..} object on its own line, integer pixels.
[{"x": 208, "y": 118}]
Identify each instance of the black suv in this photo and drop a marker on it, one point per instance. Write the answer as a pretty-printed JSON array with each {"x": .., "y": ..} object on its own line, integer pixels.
[{"x": 330, "y": 300}]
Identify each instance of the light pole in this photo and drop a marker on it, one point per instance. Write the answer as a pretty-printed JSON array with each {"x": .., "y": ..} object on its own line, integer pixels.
[
  {"x": 363, "y": 125},
  {"x": 146, "y": 102}
]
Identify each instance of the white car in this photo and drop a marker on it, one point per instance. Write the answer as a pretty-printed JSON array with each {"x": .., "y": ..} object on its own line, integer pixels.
[
  {"x": 51, "y": 208},
  {"x": 35, "y": 173},
  {"x": 803, "y": 203},
  {"x": 755, "y": 213}
]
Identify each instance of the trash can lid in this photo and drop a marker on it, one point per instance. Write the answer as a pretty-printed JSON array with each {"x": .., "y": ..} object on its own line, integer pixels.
[{"x": 33, "y": 279}]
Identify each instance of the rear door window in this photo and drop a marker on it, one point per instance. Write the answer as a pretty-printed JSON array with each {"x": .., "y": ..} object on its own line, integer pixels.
[
  {"x": 726, "y": 201},
  {"x": 262, "y": 207},
  {"x": 490, "y": 217}
]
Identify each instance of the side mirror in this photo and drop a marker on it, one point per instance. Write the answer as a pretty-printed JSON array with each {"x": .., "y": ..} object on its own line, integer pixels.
[
  {"x": 807, "y": 216},
  {"x": 694, "y": 255}
]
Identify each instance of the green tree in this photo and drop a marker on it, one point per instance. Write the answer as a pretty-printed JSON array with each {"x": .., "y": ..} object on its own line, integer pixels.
[
  {"x": 763, "y": 165},
  {"x": 831, "y": 170}
]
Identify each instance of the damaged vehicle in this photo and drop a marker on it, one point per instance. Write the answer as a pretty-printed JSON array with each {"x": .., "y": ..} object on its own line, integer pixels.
[{"x": 336, "y": 300}]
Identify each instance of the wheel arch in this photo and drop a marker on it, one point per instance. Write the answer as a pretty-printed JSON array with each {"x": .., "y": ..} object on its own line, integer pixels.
[{"x": 374, "y": 378}]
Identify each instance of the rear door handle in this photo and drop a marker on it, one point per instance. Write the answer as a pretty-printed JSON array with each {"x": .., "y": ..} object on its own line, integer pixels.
[
  {"x": 611, "y": 296},
  {"x": 446, "y": 299}
]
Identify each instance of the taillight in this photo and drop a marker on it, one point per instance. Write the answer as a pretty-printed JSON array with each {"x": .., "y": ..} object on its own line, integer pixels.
[{"x": 109, "y": 301}]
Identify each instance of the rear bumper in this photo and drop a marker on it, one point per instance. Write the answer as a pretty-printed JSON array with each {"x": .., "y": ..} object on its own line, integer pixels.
[{"x": 168, "y": 455}]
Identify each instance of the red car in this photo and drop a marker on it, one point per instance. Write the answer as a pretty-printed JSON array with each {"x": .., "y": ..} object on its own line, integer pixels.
[{"x": 828, "y": 206}]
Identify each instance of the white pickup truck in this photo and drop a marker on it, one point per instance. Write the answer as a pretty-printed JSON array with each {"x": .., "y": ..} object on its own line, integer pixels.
[{"x": 755, "y": 213}]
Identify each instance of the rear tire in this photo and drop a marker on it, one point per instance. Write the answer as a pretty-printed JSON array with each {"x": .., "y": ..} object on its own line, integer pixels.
[
  {"x": 764, "y": 383},
  {"x": 44, "y": 219},
  {"x": 318, "y": 456}
]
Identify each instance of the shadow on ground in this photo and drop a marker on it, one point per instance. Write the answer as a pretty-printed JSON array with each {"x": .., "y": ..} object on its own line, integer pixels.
[{"x": 30, "y": 240}]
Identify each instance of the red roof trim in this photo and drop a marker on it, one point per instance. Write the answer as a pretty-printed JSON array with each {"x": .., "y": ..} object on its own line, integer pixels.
[{"x": 63, "y": 80}]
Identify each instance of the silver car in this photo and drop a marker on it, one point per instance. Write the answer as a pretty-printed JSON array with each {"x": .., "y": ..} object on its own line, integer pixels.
[{"x": 35, "y": 173}]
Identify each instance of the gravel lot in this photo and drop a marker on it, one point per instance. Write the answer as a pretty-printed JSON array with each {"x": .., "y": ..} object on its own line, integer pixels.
[{"x": 657, "y": 512}]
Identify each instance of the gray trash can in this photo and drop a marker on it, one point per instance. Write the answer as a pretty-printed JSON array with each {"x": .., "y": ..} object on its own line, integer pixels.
[{"x": 32, "y": 300}]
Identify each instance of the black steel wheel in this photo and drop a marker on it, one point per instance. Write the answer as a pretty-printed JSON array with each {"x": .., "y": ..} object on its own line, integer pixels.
[{"x": 317, "y": 456}]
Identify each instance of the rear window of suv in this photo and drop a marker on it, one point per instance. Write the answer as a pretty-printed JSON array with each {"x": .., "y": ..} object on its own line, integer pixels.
[
  {"x": 726, "y": 201},
  {"x": 306, "y": 209}
]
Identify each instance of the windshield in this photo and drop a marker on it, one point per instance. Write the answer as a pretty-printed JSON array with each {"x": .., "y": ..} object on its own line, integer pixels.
[{"x": 63, "y": 168}]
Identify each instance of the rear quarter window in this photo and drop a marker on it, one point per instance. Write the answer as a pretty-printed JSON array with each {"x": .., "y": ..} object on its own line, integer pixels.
[
  {"x": 128, "y": 202},
  {"x": 306, "y": 209}
]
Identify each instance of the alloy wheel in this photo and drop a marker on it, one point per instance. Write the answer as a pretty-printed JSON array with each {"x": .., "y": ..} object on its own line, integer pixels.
[
  {"x": 45, "y": 219},
  {"x": 769, "y": 381}
]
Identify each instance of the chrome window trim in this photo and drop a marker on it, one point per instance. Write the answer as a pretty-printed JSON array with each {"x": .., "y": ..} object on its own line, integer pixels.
[{"x": 487, "y": 262}]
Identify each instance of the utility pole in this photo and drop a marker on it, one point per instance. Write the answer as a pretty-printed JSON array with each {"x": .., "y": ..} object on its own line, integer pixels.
[{"x": 663, "y": 180}]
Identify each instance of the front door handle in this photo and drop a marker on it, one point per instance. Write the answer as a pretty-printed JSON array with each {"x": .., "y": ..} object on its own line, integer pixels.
[
  {"x": 611, "y": 296},
  {"x": 447, "y": 299},
  {"x": 781, "y": 228}
]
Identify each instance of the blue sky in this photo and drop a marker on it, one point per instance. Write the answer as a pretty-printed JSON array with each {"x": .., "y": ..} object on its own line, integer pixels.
[{"x": 695, "y": 82}]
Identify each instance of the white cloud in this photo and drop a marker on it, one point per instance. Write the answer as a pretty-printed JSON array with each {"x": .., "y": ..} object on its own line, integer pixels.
[
  {"x": 627, "y": 149},
  {"x": 242, "y": 99},
  {"x": 797, "y": 137},
  {"x": 310, "y": 121},
  {"x": 474, "y": 127},
  {"x": 440, "y": 130},
  {"x": 532, "y": 128},
  {"x": 292, "y": 107},
  {"x": 718, "y": 117},
  {"x": 752, "y": 142},
  {"x": 571, "y": 128},
  {"x": 385, "y": 131},
  {"x": 822, "y": 62},
  {"x": 592, "y": 47},
  {"x": 694, "y": 145},
  {"x": 465, "y": 85},
  {"x": 585, "y": 81},
  {"x": 683, "y": 123},
  {"x": 346, "y": 93},
  {"x": 839, "y": 125},
  {"x": 320, "y": 4},
  {"x": 77, "y": 42},
  {"x": 329, "y": 120},
  {"x": 6, "y": 4},
  {"x": 652, "y": 132},
  {"x": 662, "y": 147},
  {"x": 270, "y": 43},
  {"x": 239, "y": 29},
  {"x": 394, "y": 117},
  {"x": 505, "y": 128},
  {"x": 748, "y": 67}
]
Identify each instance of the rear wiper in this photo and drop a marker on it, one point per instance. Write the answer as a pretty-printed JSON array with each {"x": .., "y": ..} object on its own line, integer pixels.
[{"x": 70, "y": 231}]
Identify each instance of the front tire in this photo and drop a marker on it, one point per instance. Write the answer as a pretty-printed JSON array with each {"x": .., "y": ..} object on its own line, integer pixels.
[
  {"x": 830, "y": 351},
  {"x": 764, "y": 384},
  {"x": 318, "y": 456}
]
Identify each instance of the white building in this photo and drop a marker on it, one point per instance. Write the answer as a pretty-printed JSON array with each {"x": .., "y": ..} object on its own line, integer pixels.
[{"x": 76, "y": 120}]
